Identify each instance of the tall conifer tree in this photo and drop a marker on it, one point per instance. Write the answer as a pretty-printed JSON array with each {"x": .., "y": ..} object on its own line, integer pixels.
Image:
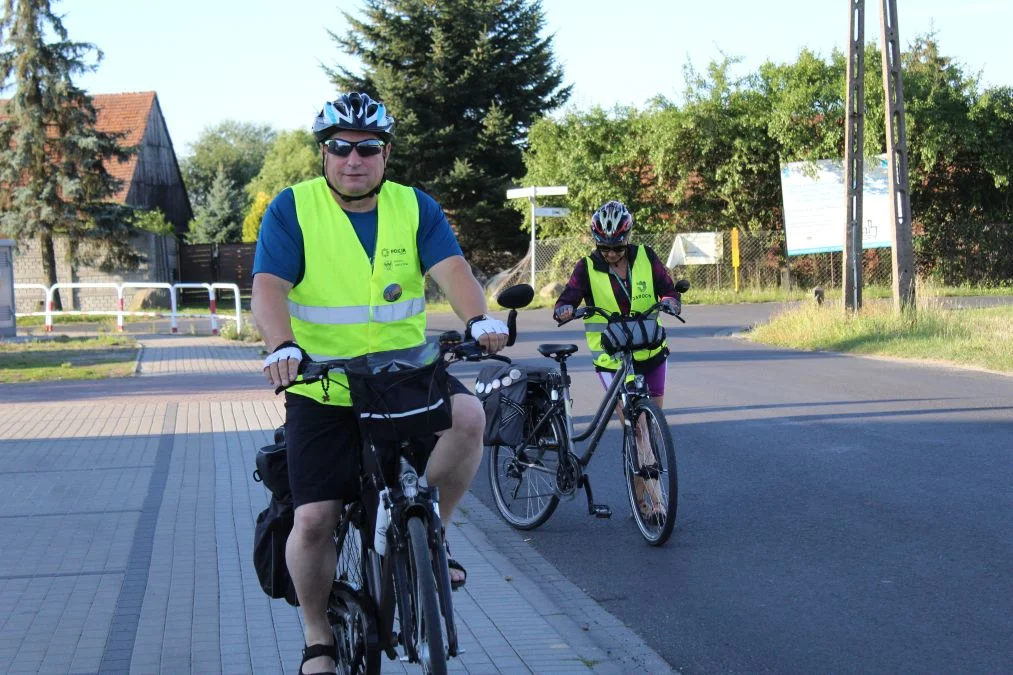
[
  {"x": 52, "y": 157},
  {"x": 465, "y": 79}
]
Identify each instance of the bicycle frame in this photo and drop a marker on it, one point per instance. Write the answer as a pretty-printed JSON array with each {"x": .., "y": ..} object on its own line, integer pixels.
[
  {"x": 618, "y": 391},
  {"x": 385, "y": 579}
]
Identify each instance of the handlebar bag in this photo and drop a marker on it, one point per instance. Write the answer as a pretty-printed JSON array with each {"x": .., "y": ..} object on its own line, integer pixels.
[
  {"x": 274, "y": 524},
  {"x": 633, "y": 334},
  {"x": 401, "y": 394},
  {"x": 502, "y": 389}
]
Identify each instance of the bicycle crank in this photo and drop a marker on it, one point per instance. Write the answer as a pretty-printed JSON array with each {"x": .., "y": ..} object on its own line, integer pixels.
[{"x": 568, "y": 474}]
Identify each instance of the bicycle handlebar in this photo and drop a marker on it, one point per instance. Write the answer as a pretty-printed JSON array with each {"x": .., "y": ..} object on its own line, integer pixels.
[
  {"x": 451, "y": 344},
  {"x": 591, "y": 310}
]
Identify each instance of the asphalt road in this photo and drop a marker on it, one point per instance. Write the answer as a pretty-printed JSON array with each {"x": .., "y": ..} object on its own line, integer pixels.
[{"x": 836, "y": 513}]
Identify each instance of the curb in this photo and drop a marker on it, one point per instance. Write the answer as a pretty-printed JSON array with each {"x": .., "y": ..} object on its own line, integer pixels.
[{"x": 605, "y": 643}]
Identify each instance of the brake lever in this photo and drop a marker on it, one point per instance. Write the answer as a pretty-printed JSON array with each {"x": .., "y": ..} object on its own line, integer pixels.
[
  {"x": 278, "y": 390},
  {"x": 668, "y": 311},
  {"x": 303, "y": 367}
]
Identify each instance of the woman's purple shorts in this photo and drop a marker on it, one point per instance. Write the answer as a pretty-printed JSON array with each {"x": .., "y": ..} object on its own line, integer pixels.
[{"x": 654, "y": 378}]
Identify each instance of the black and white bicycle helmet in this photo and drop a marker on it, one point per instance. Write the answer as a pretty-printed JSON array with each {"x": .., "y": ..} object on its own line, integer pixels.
[
  {"x": 611, "y": 224},
  {"x": 353, "y": 112}
]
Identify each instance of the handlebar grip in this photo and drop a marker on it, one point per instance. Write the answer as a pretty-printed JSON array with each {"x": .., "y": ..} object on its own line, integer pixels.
[{"x": 512, "y": 328}]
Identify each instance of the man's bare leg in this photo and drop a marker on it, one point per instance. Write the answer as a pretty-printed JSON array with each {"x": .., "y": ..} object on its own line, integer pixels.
[
  {"x": 456, "y": 457},
  {"x": 311, "y": 559}
]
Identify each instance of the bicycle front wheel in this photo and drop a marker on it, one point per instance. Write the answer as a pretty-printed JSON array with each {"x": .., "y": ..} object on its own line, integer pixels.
[
  {"x": 652, "y": 480},
  {"x": 425, "y": 626},
  {"x": 523, "y": 482}
]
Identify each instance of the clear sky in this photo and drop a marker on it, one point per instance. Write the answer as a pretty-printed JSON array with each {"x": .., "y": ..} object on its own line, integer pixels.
[{"x": 259, "y": 60}]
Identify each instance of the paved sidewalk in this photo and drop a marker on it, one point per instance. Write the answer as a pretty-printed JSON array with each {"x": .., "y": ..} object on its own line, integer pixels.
[{"x": 127, "y": 512}]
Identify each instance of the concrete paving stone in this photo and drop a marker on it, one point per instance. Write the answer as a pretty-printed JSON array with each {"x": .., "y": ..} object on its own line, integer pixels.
[{"x": 197, "y": 560}]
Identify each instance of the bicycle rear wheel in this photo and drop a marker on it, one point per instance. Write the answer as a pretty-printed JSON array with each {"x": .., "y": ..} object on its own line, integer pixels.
[
  {"x": 425, "y": 626},
  {"x": 524, "y": 482},
  {"x": 652, "y": 480},
  {"x": 350, "y": 623}
]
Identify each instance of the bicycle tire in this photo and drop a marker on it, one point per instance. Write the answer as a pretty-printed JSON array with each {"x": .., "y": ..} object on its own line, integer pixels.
[
  {"x": 661, "y": 468},
  {"x": 441, "y": 567},
  {"x": 426, "y": 620},
  {"x": 350, "y": 622},
  {"x": 532, "y": 490}
]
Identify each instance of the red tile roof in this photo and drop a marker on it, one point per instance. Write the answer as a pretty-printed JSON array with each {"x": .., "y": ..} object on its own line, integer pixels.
[
  {"x": 120, "y": 113},
  {"x": 127, "y": 114}
]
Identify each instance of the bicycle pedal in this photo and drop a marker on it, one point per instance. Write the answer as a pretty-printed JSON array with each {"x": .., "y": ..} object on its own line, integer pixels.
[{"x": 601, "y": 511}]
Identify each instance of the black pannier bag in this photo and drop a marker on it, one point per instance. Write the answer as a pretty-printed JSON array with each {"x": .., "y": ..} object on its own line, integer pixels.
[
  {"x": 503, "y": 389},
  {"x": 274, "y": 524},
  {"x": 632, "y": 333},
  {"x": 401, "y": 394},
  {"x": 272, "y": 469}
]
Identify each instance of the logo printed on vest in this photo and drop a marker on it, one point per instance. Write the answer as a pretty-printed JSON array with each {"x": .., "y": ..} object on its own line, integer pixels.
[
  {"x": 641, "y": 286},
  {"x": 392, "y": 292},
  {"x": 393, "y": 251}
]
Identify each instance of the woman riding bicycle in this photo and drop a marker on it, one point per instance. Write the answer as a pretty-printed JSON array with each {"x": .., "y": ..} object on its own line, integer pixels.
[{"x": 620, "y": 277}]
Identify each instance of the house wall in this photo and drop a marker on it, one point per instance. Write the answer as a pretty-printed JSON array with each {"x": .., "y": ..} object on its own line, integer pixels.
[
  {"x": 157, "y": 181},
  {"x": 161, "y": 262}
]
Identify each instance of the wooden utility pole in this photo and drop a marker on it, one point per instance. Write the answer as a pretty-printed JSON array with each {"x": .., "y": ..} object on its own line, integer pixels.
[
  {"x": 854, "y": 157},
  {"x": 896, "y": 150},
  {"x": 897, "y": 165}
]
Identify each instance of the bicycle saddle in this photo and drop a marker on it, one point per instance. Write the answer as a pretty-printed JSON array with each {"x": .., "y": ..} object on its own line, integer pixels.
[{"x": 554, "y": 351}]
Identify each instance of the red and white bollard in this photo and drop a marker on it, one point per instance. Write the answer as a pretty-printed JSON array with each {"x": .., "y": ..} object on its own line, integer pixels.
[
  {"x": 119, "y": 317},
  {"x": 49, "y": 316},
  {"x": 214, "y": 314}
]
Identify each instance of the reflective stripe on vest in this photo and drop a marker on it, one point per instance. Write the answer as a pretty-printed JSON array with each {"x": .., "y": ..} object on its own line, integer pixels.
[
  {"x": 338, "y": 309},
  {"x": 333, "y": 315},
  {"x": 642, "y": 283}
]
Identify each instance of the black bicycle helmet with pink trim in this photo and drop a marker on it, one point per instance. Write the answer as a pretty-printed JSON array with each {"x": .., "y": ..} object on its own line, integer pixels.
[
  {"x": 353, "y": 112},
  {"x": 611, "y": 224}
]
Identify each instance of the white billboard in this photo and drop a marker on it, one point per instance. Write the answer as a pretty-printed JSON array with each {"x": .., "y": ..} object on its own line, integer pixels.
[
  {"x": 696, "y": 248},
  {"x": 815, "y": 206}
]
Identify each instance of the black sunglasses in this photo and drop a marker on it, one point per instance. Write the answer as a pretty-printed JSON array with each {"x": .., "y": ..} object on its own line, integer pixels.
[
  {"x": 611, "y": 249},
  {"x": 366, "y": 148}
]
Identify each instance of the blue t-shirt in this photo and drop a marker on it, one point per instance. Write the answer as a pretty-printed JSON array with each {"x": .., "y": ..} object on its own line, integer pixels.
[{"x": 280, "y": 243}]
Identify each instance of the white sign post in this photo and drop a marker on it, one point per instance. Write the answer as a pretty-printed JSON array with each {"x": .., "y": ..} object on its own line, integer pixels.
[{"x": 532, "y": 193}]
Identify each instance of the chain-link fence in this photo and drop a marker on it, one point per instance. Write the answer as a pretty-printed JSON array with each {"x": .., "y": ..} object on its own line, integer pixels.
[{"x": 762, "y": 264}]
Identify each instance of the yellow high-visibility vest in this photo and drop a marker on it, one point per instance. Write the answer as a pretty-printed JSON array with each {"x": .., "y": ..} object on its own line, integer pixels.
[
  {"x": 338, "y": 309},
  {"x": 642, "y": 285}
]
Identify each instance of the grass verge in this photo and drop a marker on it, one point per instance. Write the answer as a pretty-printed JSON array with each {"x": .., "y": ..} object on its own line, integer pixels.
[
  {"x": 972, "y": 337},
  {"x": 66, "y": 358}
]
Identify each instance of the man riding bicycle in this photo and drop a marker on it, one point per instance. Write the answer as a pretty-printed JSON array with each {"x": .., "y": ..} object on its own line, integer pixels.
[
  {"x": 619, "y": 277},
  {"x": 339, "y": 272}
]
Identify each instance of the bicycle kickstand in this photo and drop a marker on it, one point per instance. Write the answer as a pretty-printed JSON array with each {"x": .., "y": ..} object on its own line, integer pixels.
[{"x": 596, "y": 510}]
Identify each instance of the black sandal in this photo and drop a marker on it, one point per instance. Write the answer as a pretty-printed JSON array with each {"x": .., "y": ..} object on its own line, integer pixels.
[
  {"x": 313, "y": 651},
  {"x": 454, "y": 565}
]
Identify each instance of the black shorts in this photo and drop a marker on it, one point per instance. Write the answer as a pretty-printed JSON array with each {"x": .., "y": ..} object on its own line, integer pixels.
[{"x": 325, "y": 448}]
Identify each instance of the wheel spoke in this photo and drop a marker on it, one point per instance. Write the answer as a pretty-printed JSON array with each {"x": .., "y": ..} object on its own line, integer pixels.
[{"x": 524, "y": 484}]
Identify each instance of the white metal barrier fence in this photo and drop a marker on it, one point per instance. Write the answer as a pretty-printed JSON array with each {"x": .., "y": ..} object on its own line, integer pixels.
[{"x": 120, "y": 312}]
